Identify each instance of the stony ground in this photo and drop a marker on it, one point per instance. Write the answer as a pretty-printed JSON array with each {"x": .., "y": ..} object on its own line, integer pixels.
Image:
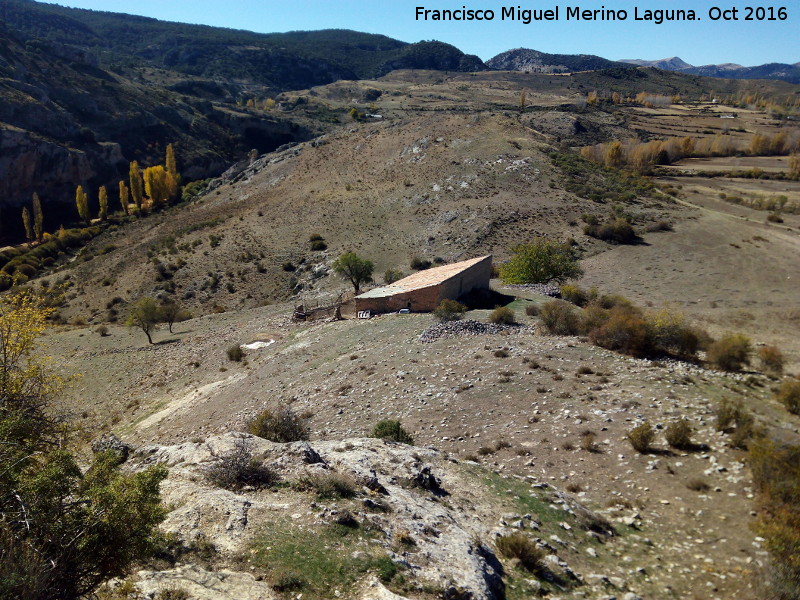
[{"x": 515, "y": 402}]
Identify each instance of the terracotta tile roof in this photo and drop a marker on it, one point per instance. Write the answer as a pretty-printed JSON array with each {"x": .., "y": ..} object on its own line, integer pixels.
[{"x": 423, "y": 279}]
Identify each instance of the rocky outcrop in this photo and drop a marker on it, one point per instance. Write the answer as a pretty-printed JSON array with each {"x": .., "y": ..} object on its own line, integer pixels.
[
  {"x": 448, "y": 548},
  {"x": 30, "y": 163}
]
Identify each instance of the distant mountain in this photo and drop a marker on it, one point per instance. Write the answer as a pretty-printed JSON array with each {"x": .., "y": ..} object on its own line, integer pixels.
[
  {"x": 280, "y": 61},
  {"x": 533, "y": 61},
  {"x": 668, "y": 64},
  {"x": 784, "y": 72}
]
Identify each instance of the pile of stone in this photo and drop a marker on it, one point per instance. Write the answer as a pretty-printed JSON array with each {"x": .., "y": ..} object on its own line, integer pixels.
[
  {"x": 545, "y": 289},
  {"x": 453, "y": 329}
]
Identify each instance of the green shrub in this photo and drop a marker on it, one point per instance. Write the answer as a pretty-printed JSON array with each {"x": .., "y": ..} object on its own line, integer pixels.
[
  {"x": 641, "y": 437},
  {"x": 392, "y": 275},
  {"x": 174, "y": 593},
  {"x": 449, "y": 310},
  {"x": 522, "y": 548},
  {"x": 392, "y": 430},
  {"x": 319, "y": 245},
  {"x": 235, "y": 353},
  {"x": 327, "y": 486},
  {"x": 617, "y": 231},
  {"x": 502, "y": 315},
  {"x": 574, "y": 294},
  {"x": 776, "y": 475},
  {"x": 541, "y": 261},
  {"x": 730, "y": 353},
  {"x": 280, "y": 426},
  {"x": 669, "y": 334},
  {"x": 789, "y": 395},
  {"x": 679, "y": 435},
  {"x": 728, "y": 414},
  {"x": 26, "y": 269},
  {"x": 237, "y": 468},
  {"x": 771, "y": 359},
  {"x": 609, "y": 301},
  {"x": 560, "y": 318},
  {"x": 420, "y": 264}
]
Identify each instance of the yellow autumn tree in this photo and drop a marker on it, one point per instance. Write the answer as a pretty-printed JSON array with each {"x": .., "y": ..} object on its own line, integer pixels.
[
  {"x": 157, "y": 184},
  {"x": 102, "y": 198},
  {"x": 687, "y": 146},
  {"x": 124, "y": 197},
  {"x": 614, "y": 156},
  {"x": 82, "y": 202},
  {"x": 794, "y": 166},
  {"x": 26, "y": 222},
  {"x": 22, "y": 372},
  {"x": 137, "y": 189},
  {"x": 171, "y": 167},
  {"x": 38, "y": 217}
]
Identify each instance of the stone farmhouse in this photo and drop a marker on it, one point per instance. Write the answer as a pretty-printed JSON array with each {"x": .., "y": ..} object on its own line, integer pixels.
[{"x": 423, "y": 291}]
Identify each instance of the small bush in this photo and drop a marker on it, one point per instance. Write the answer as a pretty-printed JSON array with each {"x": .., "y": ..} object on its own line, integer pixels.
[
  {"x": 679, "y": 435},
  {"x": 618, "y": 231},
  {"x": 532, "y": 310},
  {"x": 235, "y": 353},
  {"x": 574, "y": 294},
  {"x": 774, "y": 218},
  {"x": 501, "y": 353},
  {"x": 589, "y": 443},
  {"x": 315, "y": 237},
  {"x": 319, "y": 245},
  {"x": 392, "y": 430},
  {"x": 392, "y": 275},
  {"x": 670, "y": 334},
  {"x": 728, "y": 414},
  {"x": 420, "y": 264},
  {"x": 502, "y": 315},
  {"x": 281, "y": 426},
  {"x": 698, "y": 485},
  {"x": 776, "y": 475},
  {"x": 641, "y": 437},
  {"x": 174, "y": 593},
  {"x": 730, "y": 353},
  {"x": 659, "y": 226},
  {"x": 327, "y": 486},
  {"x": 560, "y": 318},
  {"x": 771, "y": 359},
  {"x": 624, "y": 331},
  {"x": 238, "y": 468},
  {"x": 789, "y": 395},
  {"x": 449, "y": 310},
  {"x": 519, "y": 546}
]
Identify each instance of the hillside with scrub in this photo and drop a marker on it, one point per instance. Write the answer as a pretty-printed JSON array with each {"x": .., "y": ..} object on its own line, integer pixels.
[{"x": 617, "y": 417}]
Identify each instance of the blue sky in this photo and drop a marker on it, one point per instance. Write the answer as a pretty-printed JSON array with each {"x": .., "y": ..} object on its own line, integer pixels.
[{"x": 699, "y": 42}]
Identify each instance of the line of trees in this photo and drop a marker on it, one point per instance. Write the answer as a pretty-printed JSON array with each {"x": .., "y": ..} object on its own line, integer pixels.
[
  {"x": 150, "y": 187},
  {"x": 643, "y": 156}
]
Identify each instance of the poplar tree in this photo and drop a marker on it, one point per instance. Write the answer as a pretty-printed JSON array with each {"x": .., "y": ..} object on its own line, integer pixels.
[
  {"x": 102, "y": 198},
  {"x": 137, "y": 189},
  {"x": 157, "y": 184},
  {"x": 172, "y": 170},
  {"x": 124, "y": 197},
  {"x": 26, "y": 221},
  {"x": 38, "y": 217},
  {"x": 82, "y": 202}
]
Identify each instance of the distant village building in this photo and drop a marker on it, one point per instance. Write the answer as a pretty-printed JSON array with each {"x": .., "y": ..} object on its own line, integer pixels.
[{"x": 423, "y": 291}]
